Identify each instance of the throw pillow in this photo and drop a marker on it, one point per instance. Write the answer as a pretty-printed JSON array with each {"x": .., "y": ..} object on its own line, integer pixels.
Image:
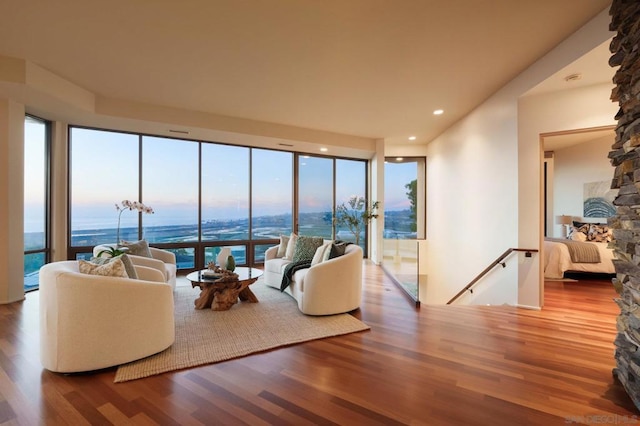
[
  {"x": 320, "y": 256},
  {"x": 583, "y": 229},
  {"x": 599, "y": 233},
  {"x": 338, "y": 249},
  {"x": 128, "y": 264},
  {"x": 138, "y": 248},
  {"x": 111, "y": 269},
  {"x": 578, "y": 236},
  {"x": 291, "y": 245},
  {"x": 282, "y": 248},
  {"x": 305, "y": 248}
]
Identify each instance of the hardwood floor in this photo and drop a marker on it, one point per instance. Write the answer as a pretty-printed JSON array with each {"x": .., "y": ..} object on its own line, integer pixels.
[{"x": 440, "y": 365}]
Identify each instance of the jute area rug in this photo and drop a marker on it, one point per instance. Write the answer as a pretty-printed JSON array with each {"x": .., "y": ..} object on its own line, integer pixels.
[{"x": 206, "y": 336}]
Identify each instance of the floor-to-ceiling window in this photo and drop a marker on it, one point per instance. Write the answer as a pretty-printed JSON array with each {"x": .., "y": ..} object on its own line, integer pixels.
[
  {"x": 404, "y": 205},
  {"x": 104, "y": 171},
  {"x": 36, "y": 199},
  {"x": 326, "y": 185},
  {"x": 315, "y": 196},
  {"x": 225, "y": 199},
  {"x": 170, "y": 181},
  {"x": 351, "y": 190},
  {"x": 204, "y": 195},
  {"x": 404, "y": 220},
  {"x": 271, "y": 197}
]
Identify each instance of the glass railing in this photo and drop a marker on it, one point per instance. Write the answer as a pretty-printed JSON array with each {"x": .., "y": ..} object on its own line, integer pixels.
[{"x": 401, "y": 262}]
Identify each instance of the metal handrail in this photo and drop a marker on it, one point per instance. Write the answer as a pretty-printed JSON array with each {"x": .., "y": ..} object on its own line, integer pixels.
[{"x": 498, "y": 261}]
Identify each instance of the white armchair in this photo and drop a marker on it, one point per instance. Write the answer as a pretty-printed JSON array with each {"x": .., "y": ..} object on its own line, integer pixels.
[
  {"x": 162, "y": 260},
  {"x": 331, "y": 287},
  {"x": 90, "y": 322}
]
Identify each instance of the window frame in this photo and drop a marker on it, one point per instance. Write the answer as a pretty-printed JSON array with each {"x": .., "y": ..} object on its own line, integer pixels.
[
  {"x": 251, "y": 244},
  {"x": 46, "y": 250}
]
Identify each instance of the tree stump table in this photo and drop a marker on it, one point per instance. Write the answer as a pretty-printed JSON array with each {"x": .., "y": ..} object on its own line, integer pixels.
[{"x": 222, "y": 291}]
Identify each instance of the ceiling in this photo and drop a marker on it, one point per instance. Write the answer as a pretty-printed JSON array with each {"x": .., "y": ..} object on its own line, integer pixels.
[{"x": 369, "y": 68}]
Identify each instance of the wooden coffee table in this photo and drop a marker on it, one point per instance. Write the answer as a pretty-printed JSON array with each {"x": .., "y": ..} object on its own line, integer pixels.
[{"x": 221, "y": 293}]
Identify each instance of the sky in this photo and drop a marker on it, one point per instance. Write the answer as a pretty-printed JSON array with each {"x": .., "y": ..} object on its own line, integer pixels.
[{"x": 104, "y": 171}]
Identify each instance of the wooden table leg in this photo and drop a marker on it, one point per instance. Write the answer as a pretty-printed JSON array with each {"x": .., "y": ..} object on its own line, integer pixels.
[
  {"x": 221, "y": 296},
  {"x": 246, "y": 295},
  {"x": 224, "y": 299},
  {"x": 207, "y": 294}
]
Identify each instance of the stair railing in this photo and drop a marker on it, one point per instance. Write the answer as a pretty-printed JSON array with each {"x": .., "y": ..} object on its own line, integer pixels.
[{"x": 498, "y": 261}]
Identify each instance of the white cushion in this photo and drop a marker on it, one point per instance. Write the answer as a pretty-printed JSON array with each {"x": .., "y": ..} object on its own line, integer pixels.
[
  {"x": 291, "y": 246},
  {"x": 115, "y": 268},
  {"x": 282, "y": 248},
  {"x": 319, "y": 256},
  {"x": 276, "y": 265}
]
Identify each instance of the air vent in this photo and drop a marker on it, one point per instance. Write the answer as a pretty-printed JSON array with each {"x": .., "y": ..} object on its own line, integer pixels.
[
  {"x": 285, "y": 144},
  {"x": 182, "y": 132}
]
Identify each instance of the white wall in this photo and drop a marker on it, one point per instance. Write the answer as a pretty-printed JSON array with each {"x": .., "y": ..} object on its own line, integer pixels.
[
  {"x": 11, "y": 201},
  {"x": 483, "y": 180},
  {"x": 561, "y": 111},
  {"x": 472, "y": 204},
  {"x": 573, "y": 167}
]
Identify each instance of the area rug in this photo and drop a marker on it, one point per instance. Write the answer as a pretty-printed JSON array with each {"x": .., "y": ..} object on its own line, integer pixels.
[{"x": 206, "y": 336}]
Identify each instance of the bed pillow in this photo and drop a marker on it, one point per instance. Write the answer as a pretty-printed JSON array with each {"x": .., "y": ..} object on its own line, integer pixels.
[
  {"x": 599, "y": 233},
  {"x": 578, "y": 233},
  {"x": 578, "y": 236},
  {"x": 580, "y": 224}
]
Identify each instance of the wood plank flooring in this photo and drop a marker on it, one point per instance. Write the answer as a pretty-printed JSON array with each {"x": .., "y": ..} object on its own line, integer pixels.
[{"x": 440, "y": 365}]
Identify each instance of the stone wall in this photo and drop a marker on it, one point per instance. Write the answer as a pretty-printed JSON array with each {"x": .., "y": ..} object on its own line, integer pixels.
[{"x": 625, "y": 157}]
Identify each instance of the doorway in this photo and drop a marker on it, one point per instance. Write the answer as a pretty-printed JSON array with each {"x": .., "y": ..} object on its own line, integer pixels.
[{"x": 574, "y": 167}]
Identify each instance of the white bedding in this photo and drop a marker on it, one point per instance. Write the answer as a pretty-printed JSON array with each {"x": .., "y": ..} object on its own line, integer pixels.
[{"x": 557, "y": 260}]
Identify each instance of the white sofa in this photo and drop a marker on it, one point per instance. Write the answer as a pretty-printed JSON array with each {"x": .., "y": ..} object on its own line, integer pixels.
[
  {"x": 90, "y": 322},
  {"x": 162, "y": 260},
  {"x": 331, "y": 287}
]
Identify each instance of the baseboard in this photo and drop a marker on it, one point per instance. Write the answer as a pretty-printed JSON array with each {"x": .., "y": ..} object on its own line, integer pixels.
[{"x": 532, "y": 308}]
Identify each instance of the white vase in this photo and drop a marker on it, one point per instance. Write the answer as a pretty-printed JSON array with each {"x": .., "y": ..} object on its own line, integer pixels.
[{"x": 221, "y": 260}]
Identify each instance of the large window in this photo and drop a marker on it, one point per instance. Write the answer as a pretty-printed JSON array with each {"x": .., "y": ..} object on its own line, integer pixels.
[
  {"x": 36, "y": 199},
  {"x": 170, "y": 178},
  {"x": 326, "y": 185},
  {"x": 205, "y": 195},
  {"x": 351, "y": 185},
  {"x": 225, "y": 192},
  {"x": 104, "y": 172},
  {"x": 404, "y": 202},
  {"x": 271, "y": 196},
  {"x": 315, "y": 196}
]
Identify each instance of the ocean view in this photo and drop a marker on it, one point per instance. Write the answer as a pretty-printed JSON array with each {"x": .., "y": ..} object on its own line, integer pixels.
[{"x": 264, "y": 228}]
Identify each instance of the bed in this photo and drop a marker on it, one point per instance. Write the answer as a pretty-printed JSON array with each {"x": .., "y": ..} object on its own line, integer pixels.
[{"x": 585, "y": 250}]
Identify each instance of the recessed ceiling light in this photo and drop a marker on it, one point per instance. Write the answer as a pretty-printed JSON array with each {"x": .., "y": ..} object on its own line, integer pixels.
[
  {"x": 323, "y": 149},
  {"x": 399, "y": 158},
  {"x": 412, "y": 138},
  {"x": 438, "y": 112},
  {"x": 573, "y": 77}
]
